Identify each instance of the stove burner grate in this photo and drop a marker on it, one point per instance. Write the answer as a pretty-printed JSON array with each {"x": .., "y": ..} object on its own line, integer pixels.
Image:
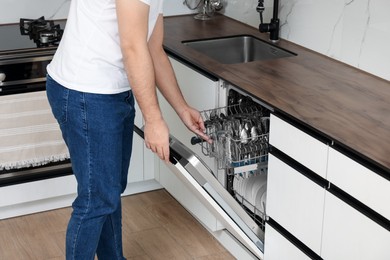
[{"x": 43, "y": 32}]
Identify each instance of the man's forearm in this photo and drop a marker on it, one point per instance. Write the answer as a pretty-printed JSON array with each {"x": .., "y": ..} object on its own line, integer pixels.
[
  {"x": 133, "y": 31},
  {"x": 167, "y": 83},
  {"x": 140, "y": 70}
]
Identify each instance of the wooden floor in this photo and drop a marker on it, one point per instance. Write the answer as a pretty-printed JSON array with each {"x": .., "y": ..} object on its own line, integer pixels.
[{"x": 155, "y": 226}]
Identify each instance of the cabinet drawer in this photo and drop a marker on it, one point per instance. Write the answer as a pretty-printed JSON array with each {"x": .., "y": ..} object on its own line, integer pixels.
[
  {"x": 348, "y": 234},
  {"x": 359, "y": 182},
  {"x": 298, "y": 145},
  {"x": 277, "y": 247},
  {"x": 295, "y": 202}
]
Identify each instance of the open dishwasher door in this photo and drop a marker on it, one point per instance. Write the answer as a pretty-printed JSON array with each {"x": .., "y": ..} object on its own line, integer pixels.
[{"x": 195, "y": 174}]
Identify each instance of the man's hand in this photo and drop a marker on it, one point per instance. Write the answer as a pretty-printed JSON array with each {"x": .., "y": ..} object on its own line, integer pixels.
[
  {"x": 194, "y": 122},
  {"x": 157, "y": 138}
]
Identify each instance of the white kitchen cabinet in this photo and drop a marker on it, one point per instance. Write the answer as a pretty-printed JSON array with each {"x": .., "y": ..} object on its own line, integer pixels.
[
  {"x": 295, "y": 202},
  {"x": 136, "y": 169},
  {"x": 348, "y": 234},
  {"x": 201, "y": 93},
  {"x": 358, "y": 181},
  {"x": 298, "y": 145},
  {"x": 279, "y": 248},
  {"x": 323, "y": 222},
  {"x": 37, "y": 196}
]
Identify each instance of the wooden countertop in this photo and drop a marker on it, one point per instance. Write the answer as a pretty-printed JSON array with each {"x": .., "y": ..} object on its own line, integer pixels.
[{"x": 342, "y": 103}]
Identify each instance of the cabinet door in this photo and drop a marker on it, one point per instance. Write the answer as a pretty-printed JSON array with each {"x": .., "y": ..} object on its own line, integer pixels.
[
  {"x": 136, "y": 169},
  {"x": 277, "y": 247},
  {"x": 201, "y": 93},
  {"x": 348, "y": 234},
  {"x": 295, "y": 202},
  {"x": 361, "y": 183},
  {"x": 298, "y": 145}
]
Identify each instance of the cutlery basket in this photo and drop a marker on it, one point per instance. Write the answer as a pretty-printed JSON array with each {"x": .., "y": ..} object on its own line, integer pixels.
[{"x": 240, "y": 138}]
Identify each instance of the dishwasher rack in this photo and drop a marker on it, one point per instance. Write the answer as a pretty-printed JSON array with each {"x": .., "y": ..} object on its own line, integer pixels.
[
  {"x": 240, "y": 145},
  {"x": 240, "y": 138},
  {"x": 251, "y": 194}
]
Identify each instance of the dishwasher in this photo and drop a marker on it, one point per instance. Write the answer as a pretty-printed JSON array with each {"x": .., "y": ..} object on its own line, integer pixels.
[{"x": 240, "y": 132}]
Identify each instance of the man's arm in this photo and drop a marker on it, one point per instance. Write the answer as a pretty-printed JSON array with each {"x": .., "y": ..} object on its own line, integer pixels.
[
  {"x": 133, "y": 30},
  {"x": 167, "y": 83}
]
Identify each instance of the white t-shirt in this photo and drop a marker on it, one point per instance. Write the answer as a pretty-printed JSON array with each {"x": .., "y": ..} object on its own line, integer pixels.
[{"x": 89, "y": 58}]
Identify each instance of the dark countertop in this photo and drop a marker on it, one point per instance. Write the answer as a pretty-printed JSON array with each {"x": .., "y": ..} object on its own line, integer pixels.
[{"x": 346, "y": 105}]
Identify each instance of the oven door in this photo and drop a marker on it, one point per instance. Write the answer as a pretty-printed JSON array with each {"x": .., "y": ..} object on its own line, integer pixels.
[
  {"x": 190, "y": 169},
  {"x": 23, "y": 75}
]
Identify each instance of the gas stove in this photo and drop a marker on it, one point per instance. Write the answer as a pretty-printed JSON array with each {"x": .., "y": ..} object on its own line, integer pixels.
[
  {"x": 30, "y": 35},
  {"x": 25, "y": 51},
  {"x": 43, "y": 32}
]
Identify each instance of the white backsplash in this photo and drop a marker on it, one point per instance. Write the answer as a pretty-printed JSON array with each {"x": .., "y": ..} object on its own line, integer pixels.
[
  {"x": 356, "y": 32},
  {"x": 12, "y": 10}
]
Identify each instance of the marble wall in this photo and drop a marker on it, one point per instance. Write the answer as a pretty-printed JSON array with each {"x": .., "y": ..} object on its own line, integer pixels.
[
  {"x": 356, "y": 32},
  {"x": 12, "y": 10}
]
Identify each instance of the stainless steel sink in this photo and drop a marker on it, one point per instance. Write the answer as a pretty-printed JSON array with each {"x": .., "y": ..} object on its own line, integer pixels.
[{"x": 238, "y": 49}]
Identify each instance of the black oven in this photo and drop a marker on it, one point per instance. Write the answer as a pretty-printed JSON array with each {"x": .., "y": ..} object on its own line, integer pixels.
[
  {"x": 23, "y": 75},
  {"x": 25, "y": 51}
]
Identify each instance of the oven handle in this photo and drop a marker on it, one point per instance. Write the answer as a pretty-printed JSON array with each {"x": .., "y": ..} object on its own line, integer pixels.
[
  {"x": 23, "y": 88},
  {"x": 26, "y": 57},
  {"x": 21, "y": 82}
]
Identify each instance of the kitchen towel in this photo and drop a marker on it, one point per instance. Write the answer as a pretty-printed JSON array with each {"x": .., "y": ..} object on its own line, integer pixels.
[{"x": 29, "y": 134}]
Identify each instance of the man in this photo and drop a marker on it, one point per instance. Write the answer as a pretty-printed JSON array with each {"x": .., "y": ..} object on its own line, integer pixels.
[{"x": 107, "y": 46}]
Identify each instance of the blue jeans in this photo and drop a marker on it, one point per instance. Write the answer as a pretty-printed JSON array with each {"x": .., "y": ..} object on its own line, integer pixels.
[{"x": 98, "y": 130}]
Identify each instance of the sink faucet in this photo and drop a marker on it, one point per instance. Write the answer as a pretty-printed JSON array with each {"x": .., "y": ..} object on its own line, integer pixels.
[{"x": 273, "y": 26}]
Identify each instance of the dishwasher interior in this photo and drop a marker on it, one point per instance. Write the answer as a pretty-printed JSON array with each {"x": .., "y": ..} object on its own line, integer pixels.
[{"x": 240, "y": 134}]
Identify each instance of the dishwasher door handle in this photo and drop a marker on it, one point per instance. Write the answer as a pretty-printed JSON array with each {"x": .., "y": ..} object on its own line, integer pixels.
[{"x": 174, "y": 157}]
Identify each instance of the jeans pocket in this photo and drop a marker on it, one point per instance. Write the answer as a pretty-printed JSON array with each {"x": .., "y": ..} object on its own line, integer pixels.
[{"x": 58, "y": 99}]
